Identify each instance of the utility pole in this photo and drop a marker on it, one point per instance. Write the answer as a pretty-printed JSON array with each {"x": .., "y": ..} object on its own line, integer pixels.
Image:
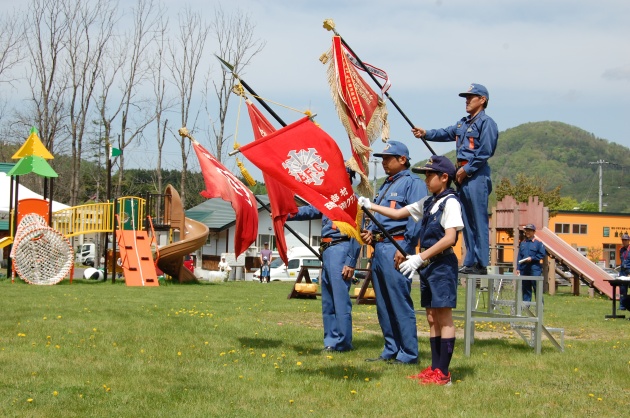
[
  {"x": 375, "y": 161},
  {"x": 600, "y": 163}
]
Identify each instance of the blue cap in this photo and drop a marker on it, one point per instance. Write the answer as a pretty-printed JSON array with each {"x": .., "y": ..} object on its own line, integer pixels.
[
  {"x": 530, "y": 226},
  {"x": 625, "y": 236},
  {"x": 476, "y": 90},
  {"x": 394, "y": 148},
  {"x": 437, "y": 163}
]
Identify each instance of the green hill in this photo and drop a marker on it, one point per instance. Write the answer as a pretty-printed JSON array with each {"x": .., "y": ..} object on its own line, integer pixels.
[{"x": 562, "y": 155}]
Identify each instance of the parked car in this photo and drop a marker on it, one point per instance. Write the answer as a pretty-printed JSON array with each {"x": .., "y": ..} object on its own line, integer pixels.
[
  {"x": 298, "y": 257},
  {"x": 612, "y": 272},
  {"x": 189, "y": 263},
  {"x": 88, "y": 261}
]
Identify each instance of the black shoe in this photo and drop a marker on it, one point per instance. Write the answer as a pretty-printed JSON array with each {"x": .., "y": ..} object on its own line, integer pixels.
[
  {"x": 379, "y": 358},
  {"x": 480, "y": 270},
  {"x": 467, "y": 270},
  {"x": 463, "y": 269},
  {"x": 398, "y": 362}
]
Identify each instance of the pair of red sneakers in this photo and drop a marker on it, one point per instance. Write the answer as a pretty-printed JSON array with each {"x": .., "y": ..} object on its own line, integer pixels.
[{"x": 431, "y": 376}]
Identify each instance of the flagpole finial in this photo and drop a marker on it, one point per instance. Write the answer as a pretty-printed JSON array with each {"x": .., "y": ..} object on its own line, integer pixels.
[
  {"x": 329, "y": 25},
  {"x": 184, "y": 133}
]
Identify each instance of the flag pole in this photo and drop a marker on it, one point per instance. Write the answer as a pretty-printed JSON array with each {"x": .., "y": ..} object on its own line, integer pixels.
[
  {"x": 330, "y": 26},
  {"x": 229, "y": 67},
  {"x": 384, "y": 231},
  {"x": 184, "y": 132}
]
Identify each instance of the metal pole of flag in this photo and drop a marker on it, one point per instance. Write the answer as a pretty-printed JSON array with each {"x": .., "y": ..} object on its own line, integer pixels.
[
  {"x": 229, "y": 67},
  {"x": 384, "y": 231},
  {"x": 327, "y": 26},
  {"x": 291, "y": 230}
]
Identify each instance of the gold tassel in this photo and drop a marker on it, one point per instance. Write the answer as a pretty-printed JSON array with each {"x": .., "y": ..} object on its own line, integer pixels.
[
  {"x": 348, "y": 230},
  {"x": 248, "y": 177}
]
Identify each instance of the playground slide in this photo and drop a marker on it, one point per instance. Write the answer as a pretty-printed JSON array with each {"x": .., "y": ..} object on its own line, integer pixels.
[
  {"x": 171, "y": 259},
  {"x": 579, "y": 265}
]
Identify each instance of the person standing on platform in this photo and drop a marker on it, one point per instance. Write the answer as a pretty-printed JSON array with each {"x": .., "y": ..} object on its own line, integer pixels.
[
  {"x": 476, "y": 138},
  {"x": 440, "y": 217},
  {"x": 339, "y": 255},
  {"x": 624, "y": 256},
  {"x": 530, "y": 253},
  {"x": 394, "y": 306}
]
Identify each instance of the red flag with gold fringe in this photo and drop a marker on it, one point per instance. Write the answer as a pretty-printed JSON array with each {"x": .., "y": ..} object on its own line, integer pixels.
[
  {"x": 220, "y": 182},
  {"x": 306, "y": 160},
  {"x": 280, "y": 198},
  {"x": 361, "y": 111}
]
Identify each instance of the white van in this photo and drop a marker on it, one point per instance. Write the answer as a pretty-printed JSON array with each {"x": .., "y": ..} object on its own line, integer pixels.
[{"x": 298, "y": 257}]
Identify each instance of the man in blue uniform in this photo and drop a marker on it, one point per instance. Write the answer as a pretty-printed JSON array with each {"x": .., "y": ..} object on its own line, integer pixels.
[
  {"x": 624, "y": 256},
  {"x": 476, "y": 139},
  {"x": 394, "y": 307},
  {"x": 530, "y": 253},
  {"x": 339, "y": 258}
]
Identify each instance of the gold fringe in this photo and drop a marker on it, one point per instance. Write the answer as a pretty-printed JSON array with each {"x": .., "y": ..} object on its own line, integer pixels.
[
  {"x": 348, "y": 230},
  {"x": 248, "y": 177},
  {"x": 365, "y": 187}
]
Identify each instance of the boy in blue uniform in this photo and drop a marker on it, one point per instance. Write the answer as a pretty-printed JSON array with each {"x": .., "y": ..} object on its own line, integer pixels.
[
  {"x": 530, "y": 253},
  {"x": 441, "y": 219},
  {"x": 339, "y": 258},
  {"x": 394, "y": 306},
  {"x": 476, "y": 138}
]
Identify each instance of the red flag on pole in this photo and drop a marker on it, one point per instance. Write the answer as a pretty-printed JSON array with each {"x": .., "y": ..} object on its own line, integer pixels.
[
  {"x": 280, "y": 198},
  {"x": 361, "y": 111},
  {"x": 306, "y": 160},
  {"x": 220, "y": 182}
]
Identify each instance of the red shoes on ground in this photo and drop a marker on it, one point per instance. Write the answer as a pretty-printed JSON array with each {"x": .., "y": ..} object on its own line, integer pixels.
[{"x": 430, "y": 376}]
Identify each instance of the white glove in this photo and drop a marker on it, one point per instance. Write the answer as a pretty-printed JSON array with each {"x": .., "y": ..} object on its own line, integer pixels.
[
  {"x": 365, "y": 202},
  {"x": 412, "y": 264}
]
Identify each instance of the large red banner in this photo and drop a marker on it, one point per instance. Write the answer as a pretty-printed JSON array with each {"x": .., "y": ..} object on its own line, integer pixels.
[
  {"x": 306, "y": 160},
  {"x": 280, "y": 198},
  {"x": 220, "y": 182}
]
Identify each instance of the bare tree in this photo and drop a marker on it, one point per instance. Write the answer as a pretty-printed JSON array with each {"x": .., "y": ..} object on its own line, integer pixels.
[
  {"x": 46, "y": 29},
  {"x": 11, "y": 37},
  {"x": 162, "y": 104},
  {"x": 129, "y": 66},
  {"x": 185, "y": 55},
  {"x": 236, "y": 45},
  {"x": 90, "y": 28}
]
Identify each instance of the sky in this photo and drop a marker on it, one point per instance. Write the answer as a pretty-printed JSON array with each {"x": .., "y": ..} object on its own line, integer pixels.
[{"x": 541, "y": 60}]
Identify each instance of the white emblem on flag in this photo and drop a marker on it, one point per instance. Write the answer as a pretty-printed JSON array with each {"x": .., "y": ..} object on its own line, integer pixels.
[{"x": 306, "y": 166}]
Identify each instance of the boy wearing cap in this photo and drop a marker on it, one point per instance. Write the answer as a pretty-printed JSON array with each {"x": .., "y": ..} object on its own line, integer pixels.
[
  {"x": 476, "y": 139},
  {"x": 530, "y": 253},
  {"x": 394, "y": 306},
  {"x": 624, "y": 256},
  {"x": 441, "y": 219}
]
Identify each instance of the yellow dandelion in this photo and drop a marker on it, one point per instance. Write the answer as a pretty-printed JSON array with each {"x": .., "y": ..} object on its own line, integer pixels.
[
  {"x": 299, "y": 363},
  {"x": 329, "y": 357},
  {"x": 29, "y": 400},
  {"x": 576, "y": 369},
  {"x": 221, "y": 354},
  {"x": 599, "y": 399},
  {"x": 353, "y": 392},
  {"x": 179, "y": 353},
  {"x": 94, "y": 329},
  {"x": 345, "y": 377},
  {"x": 240, "y": 377},
  {"x": 591, "y": 395},
  {"x": 367, "y": 379},
  {"x": 58, "y": 316},
  {"x": 263, "y": 355},
  {"x": 291, "y": 401},
  {"x": 55, "y": 393},
  {"x": 517, "y": 393}
]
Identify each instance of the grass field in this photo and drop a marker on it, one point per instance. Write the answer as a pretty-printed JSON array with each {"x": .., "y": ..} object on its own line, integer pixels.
[{"x": 241, "y": 349}]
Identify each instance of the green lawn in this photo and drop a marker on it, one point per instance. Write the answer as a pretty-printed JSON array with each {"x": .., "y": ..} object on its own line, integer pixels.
[{"x": 241, "y": 349}]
